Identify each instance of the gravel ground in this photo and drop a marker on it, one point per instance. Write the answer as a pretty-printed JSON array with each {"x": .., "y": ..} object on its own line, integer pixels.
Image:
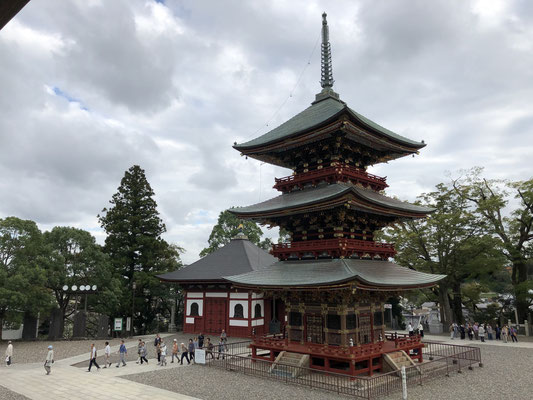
[
  {"x": 35, "y": 351},
  {"x": 506, "y": 373},
  {"x": 6, "y": 394}
]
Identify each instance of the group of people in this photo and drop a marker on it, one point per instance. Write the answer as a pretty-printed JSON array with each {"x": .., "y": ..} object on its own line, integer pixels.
[
  {"x": 482, "y": 331},
  {"x": 187, "y": 352}
]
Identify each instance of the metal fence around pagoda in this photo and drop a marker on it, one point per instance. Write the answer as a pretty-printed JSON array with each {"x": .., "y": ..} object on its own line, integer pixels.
[{"x": 441, "y": 361}]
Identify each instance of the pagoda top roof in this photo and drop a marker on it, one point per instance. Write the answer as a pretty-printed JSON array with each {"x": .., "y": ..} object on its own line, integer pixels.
[
  {"x": 326, "y": 109},
  {"x": 307, "y": 197},
  {"x": 237, "y": 257},
  {"x": 303, "y": 274}
]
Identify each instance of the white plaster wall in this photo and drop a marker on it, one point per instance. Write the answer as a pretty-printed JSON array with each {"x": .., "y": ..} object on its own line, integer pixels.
[
  {"x": 216, "y": 294},
  {"x": 238, "y": 322},
  {"x": 261, "y": 303},
  {"x": 195, "y": 295},
  {"x": 232, "y": 305},
  {"x": 238, "y": 295},
  {"x": 200, "y": 306},
  {"x": 258, "y": 322}
]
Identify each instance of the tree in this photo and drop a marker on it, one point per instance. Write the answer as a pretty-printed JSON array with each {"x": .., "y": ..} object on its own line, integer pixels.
[
  {"x": 74, "y": 258},
  {"x": 21, "y": 277},
  {"x": 514, "y": 231},
  {"x": 450, "y": 241},
  {"x": 227, "y": 227},
  {"x": 135, "y": 247}
]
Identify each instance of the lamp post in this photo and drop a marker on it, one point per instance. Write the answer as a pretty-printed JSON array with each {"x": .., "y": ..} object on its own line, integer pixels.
[
  {"x": 80, "y": 320},
  {"x": 133, "y": 287}
]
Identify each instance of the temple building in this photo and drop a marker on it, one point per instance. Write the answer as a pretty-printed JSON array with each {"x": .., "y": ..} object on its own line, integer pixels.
[
  {"x": 209, "y": 303},
  {"x": 332, "y": 276}
]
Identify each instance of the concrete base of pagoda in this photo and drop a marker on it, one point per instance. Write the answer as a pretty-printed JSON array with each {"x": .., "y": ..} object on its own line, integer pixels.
[{"x": 348, "y": 360}]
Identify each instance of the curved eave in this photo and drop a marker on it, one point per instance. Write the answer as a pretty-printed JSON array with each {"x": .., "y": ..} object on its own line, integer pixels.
[
  {"x": 330, "y": 196},
  {"x": 335, "y": 274},
  {"x": 257, "y": 149}
]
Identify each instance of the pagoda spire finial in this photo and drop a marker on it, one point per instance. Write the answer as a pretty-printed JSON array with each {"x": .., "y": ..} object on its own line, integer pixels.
[
  {"x": 326, "y": 80},
  {"x": 327, "y": 68}
]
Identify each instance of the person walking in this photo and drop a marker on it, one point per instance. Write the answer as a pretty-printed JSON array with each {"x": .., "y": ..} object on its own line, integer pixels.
[
  {"x": 163, "y": 347},
  {"x": 489, "y": 332},
  {"x": 157, "y": 344},
  {"x": 49, "y": 360},
  {"x": 470, "y": 332},
  {"x": 505, "y": 333},
  {"x": 221, "y": 349},
  {"x": 224, "y": 336},
  {"x": 452, "y": 331},
  {"x": 144, "y": 351},
  {"x": 481, "y": 333},
  {"x": 498, "y": 332},
  {"x": 513, "y": 332},
  {"x": 184, "y": 354},
  {"x": 139, "y": 345},
  {"x": 9, "y": 353},
  {"x": 201, "y": 341},
  {"x": 476, "y": 330},
  {"x": 191, "y": 350},
  {"x": 410, "y": 329},
  {"x": 210, "y": 346},
  {"x": 92, "y": 358},
  {"x": 107, "y": 352},
  {"x": 175, "y": 350},
  {"x": 122, "y": 351},
  {"x": 420, "y": 329},
  {"x": 462, "y": 331}
]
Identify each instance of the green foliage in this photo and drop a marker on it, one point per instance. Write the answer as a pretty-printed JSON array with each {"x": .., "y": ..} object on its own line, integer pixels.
[
  {"x": 21, "y": 276},
  {"x": 452, "y": 241},
  {"x": 227, "y": 227},
  {"x": 73, "y": 257},
  {"x": 136, "y": 249},
  {"x": 514, "y": 232}
]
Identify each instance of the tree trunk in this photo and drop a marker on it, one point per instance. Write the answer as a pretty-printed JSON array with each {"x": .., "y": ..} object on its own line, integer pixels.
[
  {"x": 457, "y": 301},
  {"x": 445, "y": 309},
  {"x": 519, "y": 277}
]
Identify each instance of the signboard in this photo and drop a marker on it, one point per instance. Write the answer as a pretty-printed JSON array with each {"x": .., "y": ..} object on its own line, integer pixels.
[
  {"x": 199, "y": 356},
  {"x": 128, "y": 324},
  {"x": 387, "y": 306},
  {"x": 117, "y": 326}
]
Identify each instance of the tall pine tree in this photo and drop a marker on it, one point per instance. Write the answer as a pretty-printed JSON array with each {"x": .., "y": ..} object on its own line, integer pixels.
[{"x": 136, "y": 249}]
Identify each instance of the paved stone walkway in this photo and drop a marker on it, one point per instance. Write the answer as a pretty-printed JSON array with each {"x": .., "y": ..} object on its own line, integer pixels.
[{"x": 68, "y": 382}]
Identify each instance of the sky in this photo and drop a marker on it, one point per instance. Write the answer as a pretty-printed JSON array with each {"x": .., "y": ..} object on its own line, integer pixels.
[{"x": 89, "y": 88}]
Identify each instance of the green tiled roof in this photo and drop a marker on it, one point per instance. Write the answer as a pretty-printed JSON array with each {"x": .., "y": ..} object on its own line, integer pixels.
[
  {"x": 335, "y": 271},
  {"x": 237, "y": 257},
  {"x": 319, "y": 113},
  {"x": 321, "y": 193}
]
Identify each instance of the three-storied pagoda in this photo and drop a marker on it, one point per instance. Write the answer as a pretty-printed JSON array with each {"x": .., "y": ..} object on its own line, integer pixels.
[{"x": 333, "y": 276}]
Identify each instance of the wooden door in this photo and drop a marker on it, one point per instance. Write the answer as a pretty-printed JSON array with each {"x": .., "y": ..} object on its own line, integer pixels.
[
  {"x": 314, "y": 328},
  {"x": 215, "y": 315},
  {"x": 366, "y": 331}
]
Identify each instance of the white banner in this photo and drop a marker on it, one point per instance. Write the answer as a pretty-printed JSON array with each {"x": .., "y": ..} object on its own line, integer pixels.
[{"x": 199, "y": 356}]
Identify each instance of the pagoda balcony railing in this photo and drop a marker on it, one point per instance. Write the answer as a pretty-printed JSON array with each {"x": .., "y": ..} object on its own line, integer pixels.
[
  {"x": 331, "y": 175},
  {"x": 339, "y": 234},
  {"x": 334, "y": 248}
]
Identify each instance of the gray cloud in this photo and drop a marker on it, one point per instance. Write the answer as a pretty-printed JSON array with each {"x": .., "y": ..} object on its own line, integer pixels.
[{"x": 171, "y": 87}]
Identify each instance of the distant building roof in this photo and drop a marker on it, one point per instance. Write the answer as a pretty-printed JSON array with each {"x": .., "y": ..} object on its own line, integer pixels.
[
  {"x": 313, "y": 273},
  {"x": 322, "y": 193},
  {"x": 237, "y": 257}
]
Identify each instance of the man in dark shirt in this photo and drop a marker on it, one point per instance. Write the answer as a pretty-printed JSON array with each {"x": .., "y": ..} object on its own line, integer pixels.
[{"x": 201, "y": 341}]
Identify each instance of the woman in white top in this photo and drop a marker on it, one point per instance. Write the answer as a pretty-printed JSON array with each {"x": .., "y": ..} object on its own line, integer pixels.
[
  {"x": 9, "y": 353},
  {"x": 49, "y": 360}
]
